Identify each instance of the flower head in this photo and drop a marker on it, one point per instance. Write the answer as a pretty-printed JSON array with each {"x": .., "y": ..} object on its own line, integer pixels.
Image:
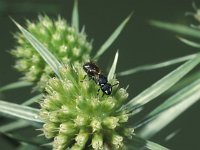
[
  {"x": 63, "y": 41},
  {"x": 75, "y": 116}
]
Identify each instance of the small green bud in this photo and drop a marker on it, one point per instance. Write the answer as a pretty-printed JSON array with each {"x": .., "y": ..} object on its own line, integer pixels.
[
  {"x": 48, "y": 130},
  {"x": 60, "y": 142},
  {"x": 111, "y": 122},
  {"x": 67, "y": 128},
  {"x": 80, "y": 121},
  {"x": 123, "y": 117},
  {"x": 128, "y": 132},
  {"x": 96, "y": 125},
  {"x": 76, "y": 147},
  {"x": 97, "y": 141},
  {"x": 117, "y": 141},
  {"x": 82, "y": 138}
]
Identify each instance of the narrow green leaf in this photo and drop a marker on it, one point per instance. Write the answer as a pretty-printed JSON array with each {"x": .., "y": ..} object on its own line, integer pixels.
[
  {"x": 32, "y": 100},
  {"x": 15, "y": 85},
  {"x": 19, "y": 111},
  {"x": 183, "y": 83},
  {"x": 113, "y": 68},
  {"x": 25, "y": 146},
  {"x": 177, "y": 28},
  {"x": 174, "y": 107},
  {"x": 41, "y": 49},
  {"x": 14, "y": 125},
  {"x": 155, "y": 146},
  {"x": 162, "y": 85},
  {"x": 183, "y": 94},
  {"x": 171, "y": 135},
  {"x": 75, "y": 16},
  {"x": 30, "y": 140},
  {"x": 175, "y": 99},
  {"x": 21, "y": 123},
  {"x": 140, "y": 144},
  {"x": 188, "y": 42},
  {"x": 156, "y": 66},
  {"x": 112, "y": 38}
]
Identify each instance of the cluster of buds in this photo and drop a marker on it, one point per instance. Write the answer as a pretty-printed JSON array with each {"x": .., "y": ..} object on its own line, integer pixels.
[
  {"x": 62, "y": 40},
  {"x": 76, "y": 117}
]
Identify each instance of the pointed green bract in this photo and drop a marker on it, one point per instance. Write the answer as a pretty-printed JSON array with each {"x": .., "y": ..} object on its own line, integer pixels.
[
  {"x": 171, "y": 109},
  {"x": 177, "y": 28},
  {"x": 33, "y": 100},
  {"x": 156, "y": 66},
  {"x": 113, "y": 67},
  {"x": 22, "y": 138},
  {"x": 25, "y": 146},
  {"x": 112, "y": 38},
  {"x": 41, "y": 49},
  {"x": 188, "y": 42},
  {"x": 138, "y": 143},
  {"x": 180, "y": 96},
  {"x": 19, "y": 111},
  {"x": 14, "y": 125},
  {"x": 15, "y": 85},
  {"x": 162, "y": 85},
  {"x": 75, "y": 16},
  {"x": 184, "y": 82},
  {"x": 154, "y": 146}
]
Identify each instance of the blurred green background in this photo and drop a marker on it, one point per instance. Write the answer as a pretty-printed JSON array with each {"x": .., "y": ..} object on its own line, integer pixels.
[{"x": 138, "y": 44}]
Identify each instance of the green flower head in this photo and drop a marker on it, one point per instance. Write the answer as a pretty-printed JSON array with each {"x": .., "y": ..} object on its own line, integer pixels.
[
  {"x": 75, "y": 116},
  {"x": 63, "y": 41}
]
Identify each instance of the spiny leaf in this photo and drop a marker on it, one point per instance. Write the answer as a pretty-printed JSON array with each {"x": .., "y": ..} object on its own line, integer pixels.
[
  {"x": 112, "y": 38},
  {"x": 171, "y": 135},
  {"x": 32, "y": 100},
  {"x": 177, "y": 28},
  {"x": 75, "y": 16},
  {"x": 113, "y": 68},
  {"x": 14, "y": 125},
  {"x": 15, "y": 85},
  {"x": 19, "y": 111},
  {"x": 41, "y": 49},
  {"x": 140, "y": 144},
  {"x": 188, "y": 42},
  {"x": 21, "y": 123},
  {"x": 25, "y": 146},
  {"x": 183, "y": 83},
  {"x": 162, "y": 85},
  {"x": 171, "y": 109},
  {"x": 30, "y": 140},
  {"x": 156, "y": 66}
]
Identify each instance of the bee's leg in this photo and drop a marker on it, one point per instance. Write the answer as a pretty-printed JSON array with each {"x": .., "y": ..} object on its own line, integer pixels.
[
  {"x": 98, "y": 92},
  {"x": 83, "y": 78},
  {"x": 115, "y": 84},
  {"x": 103, "y": 94}
]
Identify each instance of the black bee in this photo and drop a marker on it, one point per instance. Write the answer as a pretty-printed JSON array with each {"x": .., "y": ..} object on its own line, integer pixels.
[
  {"x": 92, "y": 70},
  {"x": 94, "y": 73}
]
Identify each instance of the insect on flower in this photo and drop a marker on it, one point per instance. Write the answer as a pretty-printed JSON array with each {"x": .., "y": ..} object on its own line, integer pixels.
[{"x": 95, "y": 74}]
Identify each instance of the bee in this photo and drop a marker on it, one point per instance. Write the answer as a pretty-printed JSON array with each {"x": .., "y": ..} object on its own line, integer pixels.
[{"x": 95, "y": 74}]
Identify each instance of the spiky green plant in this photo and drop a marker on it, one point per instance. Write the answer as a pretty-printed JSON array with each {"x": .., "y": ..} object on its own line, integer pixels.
[
  {"x": 62, "y": 39},
  {"x": 73, "y": 116}
]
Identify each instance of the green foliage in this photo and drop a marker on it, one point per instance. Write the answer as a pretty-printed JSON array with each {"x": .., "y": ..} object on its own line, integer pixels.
[
  {"x": 112, "y": 38},
  {"x": 162, "y": 85},
  {"x": 19, "y": 111},
  {"x": 70, "y": 107}
]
